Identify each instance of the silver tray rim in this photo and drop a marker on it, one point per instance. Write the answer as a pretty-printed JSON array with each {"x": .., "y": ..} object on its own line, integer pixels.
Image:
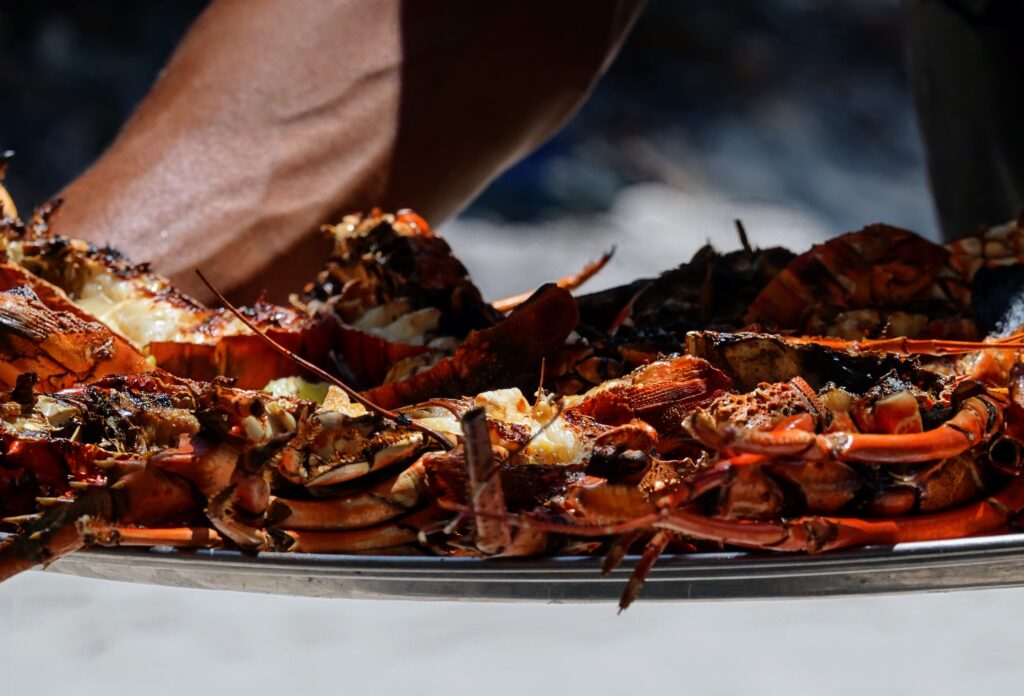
[{"x": 969, "y": 563}]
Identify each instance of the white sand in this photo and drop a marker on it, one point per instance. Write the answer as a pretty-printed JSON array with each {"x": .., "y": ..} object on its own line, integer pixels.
[{"x": 65, "y": 635}]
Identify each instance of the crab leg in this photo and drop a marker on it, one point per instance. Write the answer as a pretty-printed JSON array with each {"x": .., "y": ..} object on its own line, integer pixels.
[
  {"x": 387, "y": 455},
  {"x": 56, "y": 534},
  {"x": 814, "y": 534},
  {"x": 178, "y": 537},
  {"x": 618, "y": 550},
  {"x": 382, "y": 502},
  {"x": 978, "y": 418},
  {"x": 305, "y": 542},
  {"x": 652, "y": 550},
  {"x": 384, "y": 536},
  {"x": 395, "y": 533},
  {"x": 20, "y": 553}
]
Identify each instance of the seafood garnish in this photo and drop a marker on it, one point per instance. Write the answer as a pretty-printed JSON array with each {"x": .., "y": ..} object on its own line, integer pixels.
[{"x": 869, "y": 391}]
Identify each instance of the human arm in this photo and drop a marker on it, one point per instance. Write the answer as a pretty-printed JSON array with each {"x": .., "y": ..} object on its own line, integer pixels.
[{"x": 275, "y": 116}]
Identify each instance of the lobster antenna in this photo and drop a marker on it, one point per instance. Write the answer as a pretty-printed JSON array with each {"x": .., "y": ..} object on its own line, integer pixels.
[
  {"x": 322, "y": 373},
  {"x": 744, "y": 240}
]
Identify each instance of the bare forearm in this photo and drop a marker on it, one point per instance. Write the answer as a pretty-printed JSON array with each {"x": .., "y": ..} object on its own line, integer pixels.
[
  {"x": 273, "y": 117},
  {"x": 249, "y": 135}
]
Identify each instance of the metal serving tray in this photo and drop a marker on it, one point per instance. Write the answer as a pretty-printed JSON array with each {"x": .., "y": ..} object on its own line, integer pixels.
[{"x": 993, "y": 561}]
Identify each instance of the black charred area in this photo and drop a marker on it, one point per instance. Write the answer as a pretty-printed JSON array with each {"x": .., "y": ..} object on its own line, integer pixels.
[
  {"x": 711, "y": 291},
  {"x": 107, "y": 416},
  {"x": 419, "y": 268},
  {"x": 752, "y": 358}
]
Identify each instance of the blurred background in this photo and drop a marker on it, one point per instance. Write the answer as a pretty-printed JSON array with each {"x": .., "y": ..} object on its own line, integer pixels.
[
  {"x": 772, "y": 101},
  {"x": 793, "y": 115}
]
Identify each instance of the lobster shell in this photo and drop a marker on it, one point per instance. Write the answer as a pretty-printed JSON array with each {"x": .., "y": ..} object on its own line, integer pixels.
[{"x": 509, "y": 352}]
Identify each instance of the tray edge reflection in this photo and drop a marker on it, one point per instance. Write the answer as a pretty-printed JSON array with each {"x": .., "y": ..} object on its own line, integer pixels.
[{"x": 974, "y": 563}]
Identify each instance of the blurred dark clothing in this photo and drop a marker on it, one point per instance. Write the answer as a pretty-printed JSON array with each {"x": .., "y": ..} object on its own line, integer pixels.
[{"x": 966, "y": 63}]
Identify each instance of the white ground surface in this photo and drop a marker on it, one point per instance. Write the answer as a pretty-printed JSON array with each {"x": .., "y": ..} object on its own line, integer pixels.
[
  {"x": 64, "y": 635},
  {"x": 70, "y": 636}
]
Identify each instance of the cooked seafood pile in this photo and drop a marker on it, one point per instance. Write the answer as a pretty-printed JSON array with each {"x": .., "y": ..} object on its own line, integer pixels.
[{"x": 868, "y": 391}]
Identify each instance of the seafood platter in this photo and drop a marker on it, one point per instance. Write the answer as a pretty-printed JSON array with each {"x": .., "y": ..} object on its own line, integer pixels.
[{"x": 752, "y": 423}]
